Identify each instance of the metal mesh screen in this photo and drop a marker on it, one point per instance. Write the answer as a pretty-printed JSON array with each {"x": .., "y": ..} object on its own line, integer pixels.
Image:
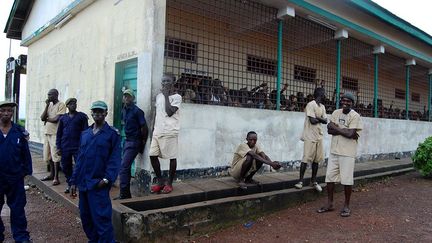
[{"x": 224, "y": 52}]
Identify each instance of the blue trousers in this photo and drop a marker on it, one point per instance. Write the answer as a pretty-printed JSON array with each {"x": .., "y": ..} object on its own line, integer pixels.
[
  {"x": 96, "y": 213},
  {"x": 16, "y": 200},
  {"x": 130, "y": 151},
  {"x": 66, "y": 163}
]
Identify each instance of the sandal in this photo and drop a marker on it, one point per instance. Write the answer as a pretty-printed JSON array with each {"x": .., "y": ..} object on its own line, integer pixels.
[
  {"x": 167, "y": 189},
  {"x": 56, "y": 182},
  {"x": 346, "y": 212},
  {"x": 252, "y": 181},
  {"x": 47, "y": 178},
  {"x": 325, "y": 209},
  {"x": 156, "y": 188}
]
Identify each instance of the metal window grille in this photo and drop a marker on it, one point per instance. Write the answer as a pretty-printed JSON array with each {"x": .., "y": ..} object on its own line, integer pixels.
[
  {"x": 302, "y": 73},
  {"x": 180, "y": 49},
  {"x": 415, "y": 97},
  {"x": 400, "y": 94},
  {"x": 261, "y": 65},
  {"x": 224, "y": 52}
]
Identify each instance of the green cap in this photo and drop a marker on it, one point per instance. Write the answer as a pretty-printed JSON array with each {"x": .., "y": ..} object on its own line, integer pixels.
[
  {"x": 7, "y": 103},
  {"x": 70, "y": 100},
  {"x": 129, "y": 92},
  {"x": 349, "y": 95},
  {"x": 99, "y": 105}
]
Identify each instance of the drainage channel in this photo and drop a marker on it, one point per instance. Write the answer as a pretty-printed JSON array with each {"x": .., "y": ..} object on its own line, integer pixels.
[{"x": 211, "y": 189}]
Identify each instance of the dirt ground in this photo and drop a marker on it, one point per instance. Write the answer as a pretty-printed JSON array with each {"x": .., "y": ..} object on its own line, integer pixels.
[
  {"x": 395, "y": 209},
  {"x": 48, "y": 221}
]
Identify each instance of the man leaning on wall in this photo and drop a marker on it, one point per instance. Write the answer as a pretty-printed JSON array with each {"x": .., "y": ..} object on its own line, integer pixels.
[{"x": 50, "y": 116}]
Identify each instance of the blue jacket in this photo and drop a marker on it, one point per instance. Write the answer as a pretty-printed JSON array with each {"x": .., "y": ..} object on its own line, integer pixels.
[
  {"x": 99, "y": 156},
  {"x": 15, "y": 157},
  {"x": 69, "y": 131},
  {"x": 133, "y": 119}
]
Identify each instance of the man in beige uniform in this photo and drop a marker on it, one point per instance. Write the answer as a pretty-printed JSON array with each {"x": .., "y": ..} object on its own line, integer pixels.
[
  {"x": 50, "y": 116},
  {"x": 313, "y": 151},
  {"x": 248, "y": 159},
  {"x": 345, "y": 127}
]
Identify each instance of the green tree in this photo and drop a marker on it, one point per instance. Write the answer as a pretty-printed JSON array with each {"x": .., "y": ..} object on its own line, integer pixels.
[{"x": 422, "y": 158}]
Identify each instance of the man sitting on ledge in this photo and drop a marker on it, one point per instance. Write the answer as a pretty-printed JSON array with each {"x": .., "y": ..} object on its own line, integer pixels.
[{"x": 248, "y": 159}]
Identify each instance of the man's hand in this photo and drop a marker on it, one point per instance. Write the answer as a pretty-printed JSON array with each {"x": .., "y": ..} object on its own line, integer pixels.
[
  {"x": 165, "y": 92},
  {"x": 73, "y": 192},
  {"x": 322, "y": 120},
  {"x": 47, "y": 102},
  {"x": 141, "y": 147},
  {"x": 101, "y": 184},
  {"x": 276, "y": 165}
]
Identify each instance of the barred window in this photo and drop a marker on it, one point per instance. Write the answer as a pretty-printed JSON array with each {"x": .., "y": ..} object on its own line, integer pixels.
[
  {"x": 415, "y": 97},
  {"x": 400, "y": 94},
  {"x": 302, "y": 73},
  {"x": 350, "y": 83},
  {"x": 261, "y": 65},
  {"x": 181, "y": 49}
]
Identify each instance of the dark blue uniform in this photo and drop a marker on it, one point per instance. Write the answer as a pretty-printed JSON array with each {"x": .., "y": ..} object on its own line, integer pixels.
[
  {"x": 99, "y": 157},
  {"x": 15, "y": 164},
  {"x": 68, "y": 138},
  {"x": 133, "y": 119}
]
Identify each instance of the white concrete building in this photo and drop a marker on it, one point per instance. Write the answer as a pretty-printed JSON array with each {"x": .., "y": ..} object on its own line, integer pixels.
[{"x": 92, "y": 49}]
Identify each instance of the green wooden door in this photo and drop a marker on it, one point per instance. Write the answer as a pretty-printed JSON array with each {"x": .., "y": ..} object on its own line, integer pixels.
[{"x": 125, "y": 78}]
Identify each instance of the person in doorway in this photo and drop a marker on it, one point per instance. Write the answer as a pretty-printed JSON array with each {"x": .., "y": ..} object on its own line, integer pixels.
[
  {"x": 313, "y": 148},
  {"x": 135, "y": 128},
  {"x": 50, "y": 116},
  {"x": 345, "y": 127},
  {"x": 248, "y": 159},
  {"x": 15, "y": 164},
  {"x": 95, "y": 171},
  {"x": 70, "y": 127},
  {"x": 165, "y": 134}
]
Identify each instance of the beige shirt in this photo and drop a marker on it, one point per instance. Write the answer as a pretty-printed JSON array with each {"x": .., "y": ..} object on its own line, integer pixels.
[
  {"x": 53, "y": 110},
  {"x": 241, "y": 151},
  {"x": 312, "y": 132},
  {"x": 341, "y": 145},
  {"x": 167, "y": 125}
]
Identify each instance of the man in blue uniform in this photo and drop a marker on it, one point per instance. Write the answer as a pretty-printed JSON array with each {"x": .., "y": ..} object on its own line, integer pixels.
[
  {"x": 69, "y": 131},
  {"x": 15, "y": 164},
  {"x": 135, "y": 127},
  {"x": 95, "y": 171}
]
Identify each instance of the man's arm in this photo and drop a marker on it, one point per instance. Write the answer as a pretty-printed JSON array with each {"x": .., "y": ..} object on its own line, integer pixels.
[
  {"x": 44, "y": 115},
  {"x": 262, "y": 157},
  {"x": 59, "y": 134},
  {"x": 317, "y": 120},
  {"x": 333, "y": 129},
  {"x": 28, "y": 168},
  {"x": 114, "y": 161}
]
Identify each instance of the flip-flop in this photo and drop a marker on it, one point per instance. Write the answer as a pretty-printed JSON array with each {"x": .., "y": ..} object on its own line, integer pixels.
[
  {"x": 167, "y": 189},
  {"x": 253, "y": 182},
  {"x": 325, "y": 210},
  {"x": 47, "y": 178},
  {"x": 242, "y": 185},
  {"x": 56, "y": 182},
  {"x": 346, "y": 212},
  {"x": 156, "y": 188}
]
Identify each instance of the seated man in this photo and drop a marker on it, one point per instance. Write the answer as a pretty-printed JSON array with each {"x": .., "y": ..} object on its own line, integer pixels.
[{"x": 248, "y": 159}]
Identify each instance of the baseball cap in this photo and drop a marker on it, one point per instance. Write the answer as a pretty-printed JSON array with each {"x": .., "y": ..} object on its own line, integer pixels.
[
  {"x": 349, "y": 95},
  {"x": 70, "y": 100},
  {"x": 129, "y": 92},
  {"x": 99, "y": 105},
  {"x": 7, "y": 103}
]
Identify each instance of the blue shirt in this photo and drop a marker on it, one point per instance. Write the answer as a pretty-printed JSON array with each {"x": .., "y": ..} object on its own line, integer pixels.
[
  {"x": 99, "y": 156},
  {"x": 133, "y": 119},
  {"x": 15, "y": 158},
  {"x": 69, "y": 131}
]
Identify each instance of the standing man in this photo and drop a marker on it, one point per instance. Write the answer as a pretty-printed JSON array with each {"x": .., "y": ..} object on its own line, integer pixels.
[
  {"x": 50, "y": 116},
  {"x": 345, "y": 127},
  {"x": 313, "y": 149},
  {"x": 69, "y": 131},
  {"x": 165, "y": 134},
  {"x": 135, "y": 127},
  {"x": 248, "y": 159},
  {"x": 95, "y": 171},
  {"x": 15, "y": 164}
]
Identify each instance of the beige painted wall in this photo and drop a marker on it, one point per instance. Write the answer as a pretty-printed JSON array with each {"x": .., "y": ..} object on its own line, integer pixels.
[{"x": 79, "y": 58}]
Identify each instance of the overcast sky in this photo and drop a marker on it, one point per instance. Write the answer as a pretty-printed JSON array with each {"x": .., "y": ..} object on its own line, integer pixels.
[{"x": 416, "y": 12}]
